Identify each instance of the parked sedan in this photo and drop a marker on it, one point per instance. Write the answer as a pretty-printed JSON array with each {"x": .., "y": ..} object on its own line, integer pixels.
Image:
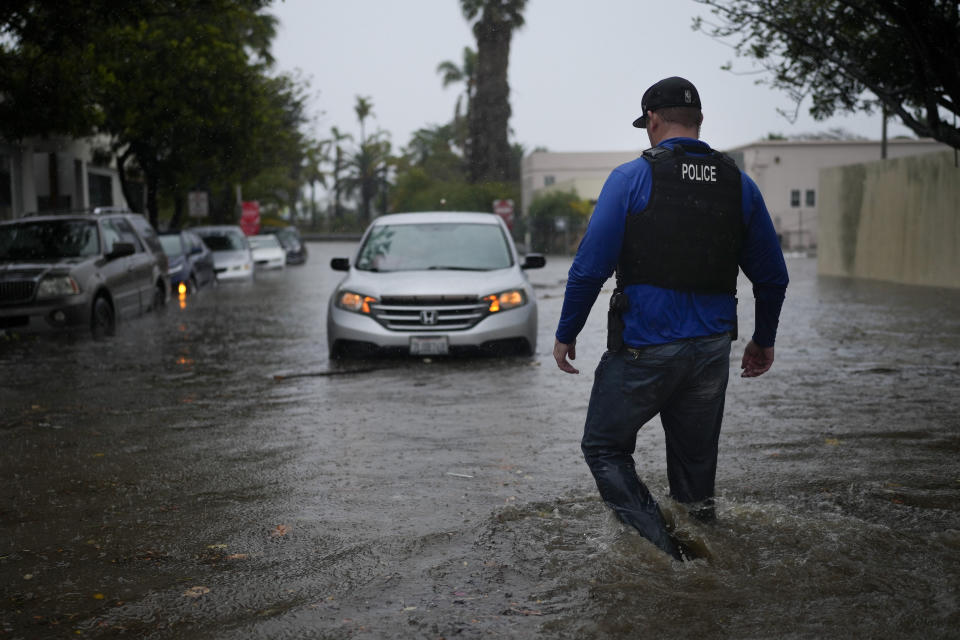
[
  {"x": 77, "y": 271},
  {"x": 432, "y": 284},
  {"x": 291, "y": 241},
  {"x": 267, "y": 252},
  {"x": 232, "y": 259},
  {"x": 191, "y": 261}
]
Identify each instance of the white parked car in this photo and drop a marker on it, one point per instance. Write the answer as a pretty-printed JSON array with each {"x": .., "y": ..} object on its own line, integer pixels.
[
  {"x": 431, "y": 284},
  {"x": 268, "y": 253},
  {"x": 232, "y": 259}
]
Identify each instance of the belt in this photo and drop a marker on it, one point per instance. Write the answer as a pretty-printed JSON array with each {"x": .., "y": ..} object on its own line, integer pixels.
[{"x": 636, "y": 351}]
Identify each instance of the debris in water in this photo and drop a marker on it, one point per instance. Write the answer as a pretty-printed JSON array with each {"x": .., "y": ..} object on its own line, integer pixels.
[
  {"x": 196, "y": 592},
  {"x": 280, "y": 531},
  {"x": 458, "y": 475}
]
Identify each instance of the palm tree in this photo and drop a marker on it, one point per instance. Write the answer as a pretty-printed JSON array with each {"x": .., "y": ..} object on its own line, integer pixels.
[
  {"x": 338, "y": 166},
  {"x": 493, "y": 24},
  {"x": 364, "y": 109},
  {"x": 367, "y": 170},
  {"x": 467, "y": 74},
  {"x": 317, "y": 155}
]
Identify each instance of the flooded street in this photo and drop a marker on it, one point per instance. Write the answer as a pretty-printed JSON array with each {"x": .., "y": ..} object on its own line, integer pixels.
[{"x": 208, "y": 474}]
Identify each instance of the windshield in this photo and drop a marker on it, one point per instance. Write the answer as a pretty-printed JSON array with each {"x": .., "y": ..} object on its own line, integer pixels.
[
  {"x": 172, "y": 245},
  {"x": 257, "y": 242},
  {"x": 224, "y": 241},
  {"x": 459, "y": 246},
  {"x": 49, "y": 240}
]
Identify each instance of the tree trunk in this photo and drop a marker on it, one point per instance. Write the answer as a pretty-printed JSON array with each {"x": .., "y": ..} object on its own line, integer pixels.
[
  {"x": 489, "y": 150},
  {"x": 153, "y": 206},
  {"x": 125, "y": 186},
  {"x": 177, "y": 219}
]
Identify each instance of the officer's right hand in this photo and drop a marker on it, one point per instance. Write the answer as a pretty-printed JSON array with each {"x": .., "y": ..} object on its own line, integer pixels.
[{"x": 560, "y": 353}]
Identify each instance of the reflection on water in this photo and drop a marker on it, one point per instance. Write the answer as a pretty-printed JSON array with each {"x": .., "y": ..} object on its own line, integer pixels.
[{"x": 209, "y": 474}]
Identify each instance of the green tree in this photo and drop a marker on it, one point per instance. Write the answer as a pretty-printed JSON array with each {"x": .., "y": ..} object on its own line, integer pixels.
[
  {"x": 854, "y": 55},
  {"x": 555, "y": 218},
  {"x": 339, "y": 164},
  {"x": 465, "y": 73},
  {"x": 494, "y": 22},
  {"x": 181, "y": 88}
]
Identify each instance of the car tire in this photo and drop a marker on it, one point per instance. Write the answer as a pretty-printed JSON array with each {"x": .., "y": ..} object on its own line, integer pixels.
[
  {"x": 159, "y": 296},
  {"x": 103, "y": 320}
]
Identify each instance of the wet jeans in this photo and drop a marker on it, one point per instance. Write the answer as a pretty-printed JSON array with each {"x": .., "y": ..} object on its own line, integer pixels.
[{"x": 685, "y": 382}]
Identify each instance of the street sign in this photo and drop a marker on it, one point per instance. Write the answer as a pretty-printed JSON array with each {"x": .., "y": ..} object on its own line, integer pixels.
[
  {"x": 504, "y": 209},
  {"x": 197, "y": 204},
  {"x": 250, "y": 217}
]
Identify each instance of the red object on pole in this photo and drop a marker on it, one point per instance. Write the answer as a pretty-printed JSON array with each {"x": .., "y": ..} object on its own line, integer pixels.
[
  {"x": 250, "y": 217},
  {"x": 504, "y": 209}
]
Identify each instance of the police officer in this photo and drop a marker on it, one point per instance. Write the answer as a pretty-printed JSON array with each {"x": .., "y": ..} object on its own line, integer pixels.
[{"x": 676, "y": 224}]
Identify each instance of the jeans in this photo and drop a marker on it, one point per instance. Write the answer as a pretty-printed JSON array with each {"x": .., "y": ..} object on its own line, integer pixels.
[{"x": 685, "y": 382}]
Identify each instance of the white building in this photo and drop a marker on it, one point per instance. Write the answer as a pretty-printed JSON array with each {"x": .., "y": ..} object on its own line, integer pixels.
[
  {"x": 787, "y": 172},
  {"x": 56, "y": 175}
]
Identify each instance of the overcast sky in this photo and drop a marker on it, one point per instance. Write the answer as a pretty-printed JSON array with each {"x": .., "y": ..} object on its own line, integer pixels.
[{"x": 578, "y": 69}]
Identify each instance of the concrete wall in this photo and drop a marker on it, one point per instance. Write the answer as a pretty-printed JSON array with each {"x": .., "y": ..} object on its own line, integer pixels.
[{"x": 896, "y": 220}]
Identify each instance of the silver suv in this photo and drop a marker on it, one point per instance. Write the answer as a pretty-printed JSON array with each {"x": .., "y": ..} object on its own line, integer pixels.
[
  {"x": 79, "y": 271},
  {"x": 434, "y": 283}
]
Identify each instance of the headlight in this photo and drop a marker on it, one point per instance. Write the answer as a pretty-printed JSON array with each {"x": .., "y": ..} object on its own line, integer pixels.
[
  {"x": 177, "y": 269},
  {"x": 57, "y": 287},
  {"x": 354, "y": 302},
  {"x": 506, "y": 300}
]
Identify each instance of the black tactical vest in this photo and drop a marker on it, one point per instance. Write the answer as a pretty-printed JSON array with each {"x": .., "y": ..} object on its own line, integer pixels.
[{"x": 689, "y": 236}]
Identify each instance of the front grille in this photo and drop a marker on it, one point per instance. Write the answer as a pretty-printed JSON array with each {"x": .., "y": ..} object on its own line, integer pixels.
[
  {"x": 17, "y": 290},
  {"x": 435, "y": 313}
]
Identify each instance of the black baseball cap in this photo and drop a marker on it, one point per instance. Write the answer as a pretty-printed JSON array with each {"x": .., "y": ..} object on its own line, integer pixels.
[{"x": 669, "y": 92}]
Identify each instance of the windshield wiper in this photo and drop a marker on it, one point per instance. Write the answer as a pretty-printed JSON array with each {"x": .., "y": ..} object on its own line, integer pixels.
[{"x": 453, "y": 268}]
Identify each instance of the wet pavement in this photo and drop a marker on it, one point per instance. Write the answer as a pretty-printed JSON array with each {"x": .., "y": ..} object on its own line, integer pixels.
[{"x": 208, "y": 474}]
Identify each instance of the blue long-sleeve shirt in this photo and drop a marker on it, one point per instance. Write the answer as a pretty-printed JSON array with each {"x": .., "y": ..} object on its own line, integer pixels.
[{"x": 657, "y": 315}]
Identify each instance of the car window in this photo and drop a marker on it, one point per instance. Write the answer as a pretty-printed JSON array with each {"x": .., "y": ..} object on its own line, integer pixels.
[
  {"x": 172, "y": 246},
  {"x": 462, "y": 246},
  {"x": 119, "y": 230},
  {"x": 193, "y": 241},
  {"x": 50, "y": 239},
  {"x": 226, "y": 241},
  {"x": 148, "y": 233}
]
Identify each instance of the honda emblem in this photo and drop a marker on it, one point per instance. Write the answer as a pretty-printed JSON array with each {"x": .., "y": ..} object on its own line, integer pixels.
[{"x": 428, "y": 317}]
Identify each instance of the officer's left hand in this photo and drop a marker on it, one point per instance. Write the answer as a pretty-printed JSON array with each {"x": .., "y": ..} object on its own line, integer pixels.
[
  {"x": 756, "y": 361},
  {"x": 560, "y": 353}
]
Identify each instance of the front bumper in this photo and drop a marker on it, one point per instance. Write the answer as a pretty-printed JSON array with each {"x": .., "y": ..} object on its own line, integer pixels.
[
  {"x": 54, "y": 314},
  {"x": 512, "y": 324}
]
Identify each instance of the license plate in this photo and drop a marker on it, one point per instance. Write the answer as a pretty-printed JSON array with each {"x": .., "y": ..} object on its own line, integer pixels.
[{"x": 429, "y": 346}]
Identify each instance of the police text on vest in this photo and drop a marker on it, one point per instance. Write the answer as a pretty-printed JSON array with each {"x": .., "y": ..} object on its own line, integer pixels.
[{"x": 698, "y": 172}]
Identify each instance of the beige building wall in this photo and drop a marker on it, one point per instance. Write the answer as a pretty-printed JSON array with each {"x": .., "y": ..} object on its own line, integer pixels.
[
  {"x": 584, "y": 171},
  {"x": 788, "y": 171},
  {"x": 896, "y": 220}
]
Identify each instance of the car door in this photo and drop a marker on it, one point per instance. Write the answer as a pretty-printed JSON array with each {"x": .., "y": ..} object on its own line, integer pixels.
[
  {"x": 142, "y": 264},
  {"x": 118, "y": 273}
]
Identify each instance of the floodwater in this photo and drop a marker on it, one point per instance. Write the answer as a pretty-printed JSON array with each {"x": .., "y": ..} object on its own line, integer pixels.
[{"x": 208, "y": 474}]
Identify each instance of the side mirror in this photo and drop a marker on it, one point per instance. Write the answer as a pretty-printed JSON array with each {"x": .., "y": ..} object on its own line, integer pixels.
[
  {"x": 340, "y": 264},
  {"x": 533, "y": 261},
  {"x": 195, "y": 250},
  {"x": 120, "y": 250}
]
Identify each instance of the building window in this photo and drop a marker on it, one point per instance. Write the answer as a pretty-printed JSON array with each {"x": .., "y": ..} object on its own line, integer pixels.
[
  {"x": 549, "y": 180},
  {"x": 795, "y": 197},
  {"x": 101, "y": 190},
  {"x": 811, "y": 198}
]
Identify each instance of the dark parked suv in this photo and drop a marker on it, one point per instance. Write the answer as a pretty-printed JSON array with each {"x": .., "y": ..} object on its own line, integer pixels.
[{"x": 79, "y": 271}]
